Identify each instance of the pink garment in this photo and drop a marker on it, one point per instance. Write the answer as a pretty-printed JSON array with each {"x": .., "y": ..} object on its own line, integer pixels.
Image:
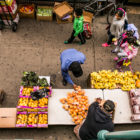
[{"x": 130, "y": 53}]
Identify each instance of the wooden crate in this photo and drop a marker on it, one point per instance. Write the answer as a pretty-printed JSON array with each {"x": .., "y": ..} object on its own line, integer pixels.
[
  {"x": 23, "y": 15},
  {"x": 61, "y": 10},
  {"x": 45, "y": 18},
  {"x": 87, "y": 17}
]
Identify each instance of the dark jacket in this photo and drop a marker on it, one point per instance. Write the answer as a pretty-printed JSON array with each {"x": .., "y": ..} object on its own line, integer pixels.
[{"x": 96, "y": 120}]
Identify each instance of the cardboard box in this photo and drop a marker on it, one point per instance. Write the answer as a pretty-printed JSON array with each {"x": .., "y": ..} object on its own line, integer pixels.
[
  {"x": 63, "y": 9},
  {"x": 60, "y": 21},
  {"x": 57, "y": 3},
  {"x": 8, "y": 117},
  {"x": 23, "y": 15},
  {"x": 45, "y": 18},
  {"x": 87, "y": 17}
]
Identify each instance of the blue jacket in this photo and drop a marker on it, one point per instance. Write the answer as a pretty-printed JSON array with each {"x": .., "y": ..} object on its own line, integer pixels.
[
  {"x": 133, "y": 28},
  {"x": 67, "y": 57}
]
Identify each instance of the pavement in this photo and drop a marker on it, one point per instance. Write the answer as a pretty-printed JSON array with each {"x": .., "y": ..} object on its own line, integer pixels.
[{"x": 36, "y": 46}]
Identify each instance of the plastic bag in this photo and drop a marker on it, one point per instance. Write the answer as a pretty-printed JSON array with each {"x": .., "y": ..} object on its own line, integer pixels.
[{"x": 36, "y": 95}]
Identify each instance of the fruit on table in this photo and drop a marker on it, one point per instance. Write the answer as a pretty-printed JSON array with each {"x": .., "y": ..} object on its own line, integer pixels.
[
  {"x": 33, "y": 103},
  {"x": 78, "y": 88},
  {"x": 32, "y": 119},
  {"x": 21, "y": 119},
  {"x": 27, "y": 91},
  {"x": 63, "y": 100},
  {"x": 43, "y": 102},
  {"x": 23, "y": 102},
  {"x": 27, "y": 9},
  {"x": 43, "y": 119},
  {"x": 110, "y": 80},
  {"x": 77, "y": 105},
  {"x": 138, "y": 83}
]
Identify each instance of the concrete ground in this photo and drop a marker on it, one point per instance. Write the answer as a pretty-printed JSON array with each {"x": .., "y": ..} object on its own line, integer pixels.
[{"x": 36, "y": 46}]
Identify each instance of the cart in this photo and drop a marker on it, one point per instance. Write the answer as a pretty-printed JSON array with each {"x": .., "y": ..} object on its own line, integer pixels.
[{"x": 8, "y": 22}]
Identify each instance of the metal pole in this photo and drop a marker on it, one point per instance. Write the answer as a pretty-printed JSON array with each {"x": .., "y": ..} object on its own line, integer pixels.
[{"x": 105, "y": 135}]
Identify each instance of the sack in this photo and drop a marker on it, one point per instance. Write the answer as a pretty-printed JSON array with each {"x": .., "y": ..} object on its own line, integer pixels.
[
  {"x": 36, "y": 95},
  {"x": 87, "y": 31}
]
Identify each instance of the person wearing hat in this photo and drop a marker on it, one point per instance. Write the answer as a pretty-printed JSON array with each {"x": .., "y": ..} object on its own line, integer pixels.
[
  {"x": 71, "y": 60},
  {"x": 98, "y": 118}
]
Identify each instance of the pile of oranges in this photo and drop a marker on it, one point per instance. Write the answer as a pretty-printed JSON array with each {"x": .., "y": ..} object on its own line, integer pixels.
[{"x": 77, "y": 105}]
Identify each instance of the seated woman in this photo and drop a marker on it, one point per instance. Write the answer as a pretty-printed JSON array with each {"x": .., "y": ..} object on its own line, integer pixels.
[{"x": 118, "y": 25}]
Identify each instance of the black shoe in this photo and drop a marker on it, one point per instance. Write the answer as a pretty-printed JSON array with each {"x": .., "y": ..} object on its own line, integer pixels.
[{"x": 64, "y": 82}]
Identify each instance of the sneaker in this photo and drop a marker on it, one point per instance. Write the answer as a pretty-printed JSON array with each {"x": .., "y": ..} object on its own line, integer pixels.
[
  {"x": 64, "y": 82},
  {"x": 80, "y": 43},
  {"x": 105, "y": 45},
  {"x": 116, "y": 58},
  {"x": 66, "y": 42}
]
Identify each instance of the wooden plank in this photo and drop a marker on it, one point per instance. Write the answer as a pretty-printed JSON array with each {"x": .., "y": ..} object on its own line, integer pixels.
[{"x": 57, "y": 115}]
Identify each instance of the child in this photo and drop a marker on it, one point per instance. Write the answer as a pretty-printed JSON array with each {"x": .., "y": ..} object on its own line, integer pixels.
[
  {"x": 117, "y": 27},
  {"x": 128, "y": 51},
  {"x": 131, "y": 31},
  {"x": 129, "y": 48},
  {"x": 77, "y": 28},
  {"x": 122, "y": 39}
]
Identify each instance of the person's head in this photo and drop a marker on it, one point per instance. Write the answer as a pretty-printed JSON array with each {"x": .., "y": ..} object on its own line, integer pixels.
[
  {"x": 119, "y": 13},
  {"x": 109, "y": 106},
  {"x": 78, "y": 12},
  {"x": 76, "y": 69},
  {"x": 129, "y": 33},
  {"x": 131, "y": 40}
]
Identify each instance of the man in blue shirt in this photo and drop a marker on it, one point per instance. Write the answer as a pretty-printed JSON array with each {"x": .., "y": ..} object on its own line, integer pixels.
[{"x": 71, "y": 60}]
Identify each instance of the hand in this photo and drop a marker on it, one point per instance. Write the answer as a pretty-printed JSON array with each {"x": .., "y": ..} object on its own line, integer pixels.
[
  {"x": 102, "y": 102},
  {"x": 76, "y": 88},
  {"x": 99, "y": 100}
]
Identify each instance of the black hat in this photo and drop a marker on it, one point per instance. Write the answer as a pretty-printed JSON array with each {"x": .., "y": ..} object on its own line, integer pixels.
[
  {"x": 109, "y": 105},
  {"x": 76, "y": 69}
]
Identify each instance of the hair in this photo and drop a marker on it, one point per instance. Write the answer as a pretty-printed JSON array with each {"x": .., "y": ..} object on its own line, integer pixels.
[
  {"x": 120, "y": 12},
  {"x": 131, "y": 40},
  {"x": 79, "y": 12},
  {"x": 130, "y": 33},
  {"x": 109, "y": 105},
  {"x": 76, "y": 69}
]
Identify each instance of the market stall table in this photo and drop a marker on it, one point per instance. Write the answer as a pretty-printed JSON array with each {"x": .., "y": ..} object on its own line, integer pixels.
[{"x": 57, "y": 115}]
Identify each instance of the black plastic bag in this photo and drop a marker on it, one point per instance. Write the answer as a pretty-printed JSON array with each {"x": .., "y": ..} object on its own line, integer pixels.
[{"x": 36, "y": 95}]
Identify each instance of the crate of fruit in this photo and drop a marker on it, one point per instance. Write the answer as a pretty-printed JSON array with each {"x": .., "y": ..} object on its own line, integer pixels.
[
  {"x": 26, "y": 91},
  {"x": 21, "y": 119},
  {"x": 23, "y": 102},
  {"x": 32, "y": 120},
  {"x": 45, "y": 13},
  {"x": 43, "y": 119}
]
